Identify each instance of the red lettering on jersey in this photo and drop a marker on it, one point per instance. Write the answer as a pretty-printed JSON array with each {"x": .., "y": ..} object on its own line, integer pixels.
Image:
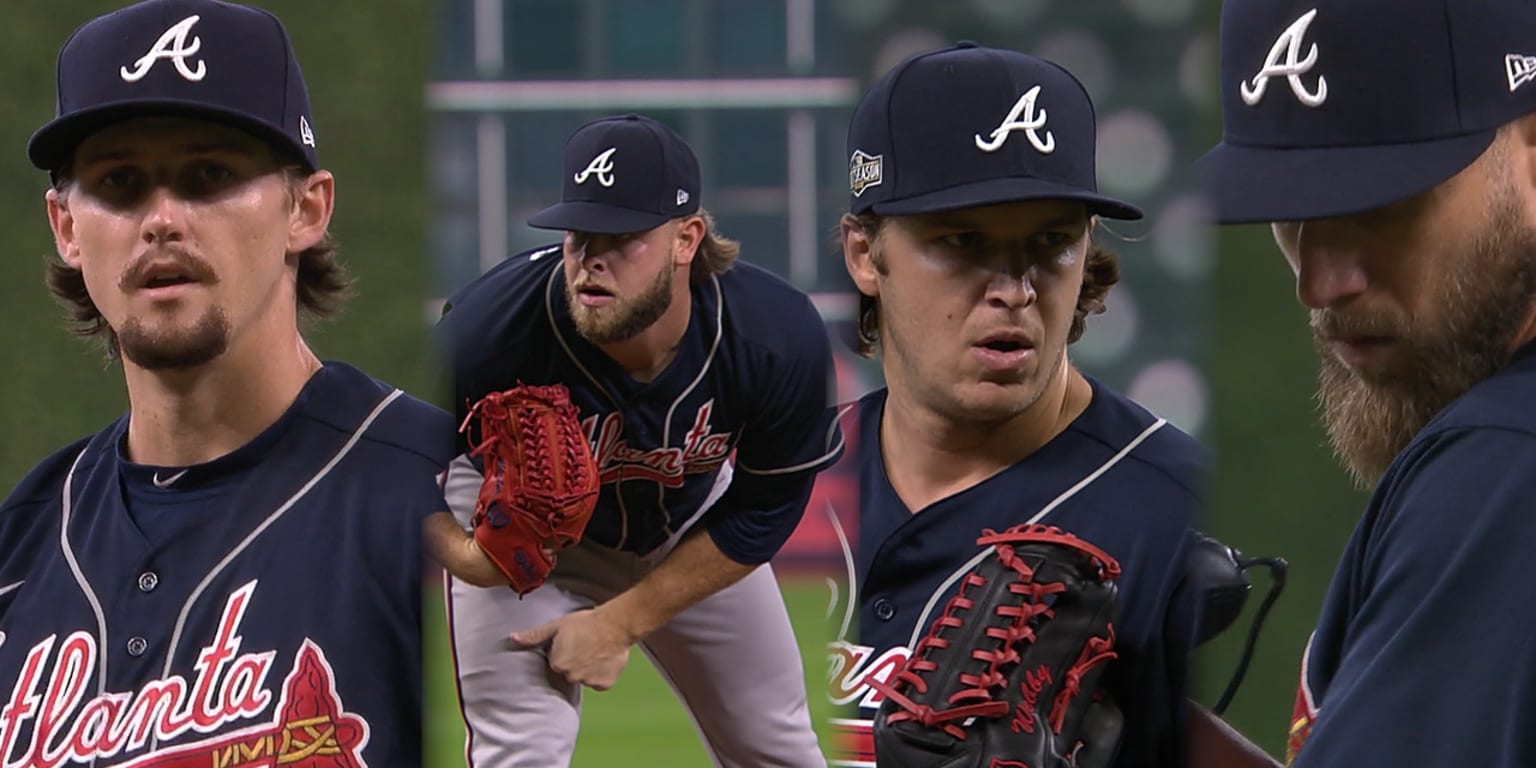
[
  {"x": 23, "y": 701},
  {"x": 853, "y": 666},
  {"x": 310, "y": 728},
  {"x": 702, "y": 451},
  {"x": 1301, "y": 724},
  {"x": 1304, "y": 713}
]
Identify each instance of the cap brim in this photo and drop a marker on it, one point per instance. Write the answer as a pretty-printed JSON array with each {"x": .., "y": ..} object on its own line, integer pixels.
[
  {"x": 53, "y": 145},
  {"x": 583, "y": 216},
  {"x": 1008, "y": 190},
  {"x": 1248, "y": 184}
]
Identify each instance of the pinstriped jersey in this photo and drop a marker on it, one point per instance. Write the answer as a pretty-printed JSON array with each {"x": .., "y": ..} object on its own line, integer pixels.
[
  {"x": 278, "y": 624},
  {"x": 742, "y": 413},
  {"x": 1117, "y": 477}
]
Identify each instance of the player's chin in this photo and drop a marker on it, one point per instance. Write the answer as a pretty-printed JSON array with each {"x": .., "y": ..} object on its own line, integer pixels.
[{"x": 994, "y": 399}]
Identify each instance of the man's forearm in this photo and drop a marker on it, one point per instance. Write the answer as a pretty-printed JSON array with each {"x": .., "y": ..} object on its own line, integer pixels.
[{"x": 693, "y": 571}]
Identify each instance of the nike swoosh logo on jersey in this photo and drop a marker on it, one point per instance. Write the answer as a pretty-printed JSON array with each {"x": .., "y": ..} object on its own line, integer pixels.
[
  {"x": 536, "y": 255},
  {"x": 166, "y": 483}
]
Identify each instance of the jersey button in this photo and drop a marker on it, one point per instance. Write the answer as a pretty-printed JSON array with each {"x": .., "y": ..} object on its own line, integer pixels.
[
  {"x": 884, "y": 610},
  {"x": 148, "y": 581},
  {"x": 137, "y": 646}
]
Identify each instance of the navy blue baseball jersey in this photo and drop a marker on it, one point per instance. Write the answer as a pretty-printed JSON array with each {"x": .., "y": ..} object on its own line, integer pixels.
[
  {"x": 1117, "y": 477},
  {"x": 1424, "y": 651},
  {"x": 275, "y": 621},
  {"x": 750, "y": 384}
]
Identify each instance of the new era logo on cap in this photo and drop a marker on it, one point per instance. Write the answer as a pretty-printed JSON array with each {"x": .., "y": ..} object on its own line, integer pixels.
[
  {"x": 623, "y": 174},
  {"x": 196, "y": 58},
  {"x": 969, "y": 126},
  {"x": 1519, "y": 69},
  {"x": 1337, "y": 107}
]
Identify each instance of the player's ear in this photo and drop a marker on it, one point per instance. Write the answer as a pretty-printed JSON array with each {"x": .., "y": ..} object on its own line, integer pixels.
[
  {"x": 859, "y": 255},
  {"x": 314, "y": 198},
  {"x": 62, "y": 222},
  {"x": 687, "y": 238}
]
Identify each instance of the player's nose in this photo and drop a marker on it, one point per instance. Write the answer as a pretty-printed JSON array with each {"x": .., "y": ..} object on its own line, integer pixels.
[
  {"x": 1011, "y": 289},
  {"x": 1328, "y": 262},
  {"x": 165, "y": 216}
]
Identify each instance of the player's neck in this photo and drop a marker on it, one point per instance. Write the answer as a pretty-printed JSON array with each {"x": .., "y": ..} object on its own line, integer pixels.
[
  {"x": 180, "y": 418},
  {"x": 648, "y": 353},
  {"x": 929, "y": 457}
]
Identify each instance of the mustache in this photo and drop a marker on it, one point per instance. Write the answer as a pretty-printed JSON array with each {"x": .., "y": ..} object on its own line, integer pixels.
[
  {"x": 1328, "y": 323},
  {"x": 187, "y": 263}
]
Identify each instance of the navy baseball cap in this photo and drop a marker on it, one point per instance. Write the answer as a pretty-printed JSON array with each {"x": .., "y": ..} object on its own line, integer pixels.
[
  {"x": 968, "y": 126},
  {"x": 1335, "y": 107},
  {"x": 623, "y": 174},
  {"x": 197, "y": 58}
]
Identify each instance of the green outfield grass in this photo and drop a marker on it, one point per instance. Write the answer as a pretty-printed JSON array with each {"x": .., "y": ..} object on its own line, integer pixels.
[{"x": 639, "y": 721}]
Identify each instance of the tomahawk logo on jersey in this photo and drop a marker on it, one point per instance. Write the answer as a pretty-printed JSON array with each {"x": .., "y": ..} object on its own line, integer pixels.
[
  {"x": 746, "y": 391},
  {"x": 275, "y": 620},
  {"x": 1117, "y": 477}
]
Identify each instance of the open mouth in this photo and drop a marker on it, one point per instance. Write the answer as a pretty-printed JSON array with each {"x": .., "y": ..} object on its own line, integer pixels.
[
  {"x": 1004, "y": 345},
  {"x": 162, "y": 281},
  {"x": 593, "y": 291}
]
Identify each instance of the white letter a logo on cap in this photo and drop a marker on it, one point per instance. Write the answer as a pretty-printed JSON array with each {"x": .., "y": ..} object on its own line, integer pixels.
[
  {"x": 171, "y": 45},
  {"x": 1292, "y": 67},
  {"x": 1023, "y": 117},
  {"x": 602, "y": 165}
]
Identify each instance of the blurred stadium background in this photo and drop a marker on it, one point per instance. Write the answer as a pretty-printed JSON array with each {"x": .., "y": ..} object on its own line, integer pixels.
[{"x": 443, "y": 122}]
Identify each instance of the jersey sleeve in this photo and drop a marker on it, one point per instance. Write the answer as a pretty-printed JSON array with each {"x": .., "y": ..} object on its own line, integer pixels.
[
  {"x": 29, "y": 522},
  {"x": 791, "y": 435},
  {"x": 1438, "y": 665}
]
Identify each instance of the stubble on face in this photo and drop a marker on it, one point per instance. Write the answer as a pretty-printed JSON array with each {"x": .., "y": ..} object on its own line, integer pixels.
[
  {"x": 625, "y": 318},
  {"x": 168, "y": 346},
  {"x": 1372, "y": 414}
]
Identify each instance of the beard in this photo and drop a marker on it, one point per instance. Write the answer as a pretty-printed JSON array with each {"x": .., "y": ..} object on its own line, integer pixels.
[
  {"x": 177, "y": 348},
  {"x": 623, "y": 319},
  {"x": 1371, "y": 414}
]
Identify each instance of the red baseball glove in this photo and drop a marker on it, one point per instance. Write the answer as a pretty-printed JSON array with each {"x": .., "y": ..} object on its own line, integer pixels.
[{"x": 541, "y": 481}]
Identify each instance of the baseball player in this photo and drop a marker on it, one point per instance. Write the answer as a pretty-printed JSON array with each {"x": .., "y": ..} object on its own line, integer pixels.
[
  {"x": 702, "y": 387},
  {"x": 970, "y": 239},
  {"x": 1400, "y": 191},
  {"x": 229, "y": 574}
]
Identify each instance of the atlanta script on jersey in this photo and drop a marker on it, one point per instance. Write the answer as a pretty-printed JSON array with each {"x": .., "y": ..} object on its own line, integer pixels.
[
  {"x": 749, "y": 383},
  {"x": 277, "y": 625},
  {"x": 1118, "y": 477}
]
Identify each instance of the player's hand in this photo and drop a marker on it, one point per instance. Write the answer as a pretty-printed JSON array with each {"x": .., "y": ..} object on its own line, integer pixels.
[
  {"x": 455, "y": 549},
  {"x": 586, "y": 647}
]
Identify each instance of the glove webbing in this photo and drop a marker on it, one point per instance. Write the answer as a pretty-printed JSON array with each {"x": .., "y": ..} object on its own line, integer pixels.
[
  {"x": 983, "y": 686},
  {"x": 542, "y": 477}
]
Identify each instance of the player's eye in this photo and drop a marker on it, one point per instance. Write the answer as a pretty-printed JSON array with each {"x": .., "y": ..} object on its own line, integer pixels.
[
  {"x": 1052, "y": 242},
  {"x": 964, "y": 241},
  {"x": 120, "y": 185},
  {"x": 121, "y": 180},
  {"x": 208, "y": 176}
]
